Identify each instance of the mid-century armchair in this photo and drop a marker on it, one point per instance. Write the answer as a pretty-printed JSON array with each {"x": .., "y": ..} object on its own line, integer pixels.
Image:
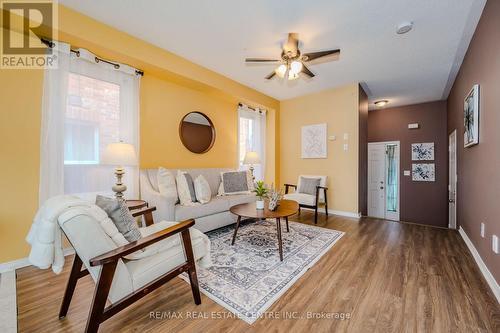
[
  {"x": 309, "y": 200},
  {"x": 123, "y": 281}
]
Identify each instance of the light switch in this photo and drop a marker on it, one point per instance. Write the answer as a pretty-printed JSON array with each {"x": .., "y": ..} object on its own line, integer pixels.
[
  {"x": 406, "y": 172},
  {"x": 494, "y": 243},
  {"x": 346, "y": 147},
  {"x": 413, "y": 126},
  {"x": 346, "y": 136},
  {"x": 332, "y": 138}
]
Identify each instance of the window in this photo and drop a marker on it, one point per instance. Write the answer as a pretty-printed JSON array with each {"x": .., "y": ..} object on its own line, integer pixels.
[
  {"x": 251, "y": 129},
  {"x": 86, "y": 105},
  {"x": 92, "y": 119}
]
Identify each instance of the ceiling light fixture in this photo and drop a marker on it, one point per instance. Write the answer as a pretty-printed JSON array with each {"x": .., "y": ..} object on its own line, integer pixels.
[
  {"x": 381, "y": 103},
  {"x": 404, "y": 28},
  {"x": 281, "y": 70}
]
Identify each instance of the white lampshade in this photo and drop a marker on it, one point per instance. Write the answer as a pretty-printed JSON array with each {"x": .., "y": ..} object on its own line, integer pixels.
[
  {"x": 251, "y": 157},
  {"x": 120, "y": 154}
]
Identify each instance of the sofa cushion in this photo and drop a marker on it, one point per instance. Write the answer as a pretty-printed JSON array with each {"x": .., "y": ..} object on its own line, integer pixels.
[
  {"x": 166, "y": 183},
  {"x": 240, "y": 199},
  {"x": 185, "y": 189},
  {"x": 234, "y": 182},
  {"x": 202, "y": 189},
  {"x": 216, "y": 205},
  {"x": 301, "y": 198}
]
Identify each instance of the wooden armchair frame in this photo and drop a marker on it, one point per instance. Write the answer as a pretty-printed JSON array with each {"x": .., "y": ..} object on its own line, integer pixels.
[
  {"x": 315, "y": 207},
  {"x": 98, "y": 312}
]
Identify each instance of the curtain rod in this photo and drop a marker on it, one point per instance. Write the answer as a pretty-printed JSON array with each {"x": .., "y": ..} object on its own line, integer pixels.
[
  {"x": 97, "y": 59},
  {"x": 251, "y": 108}
]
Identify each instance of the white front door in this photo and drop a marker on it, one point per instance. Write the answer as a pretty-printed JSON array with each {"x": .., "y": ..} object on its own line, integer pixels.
[
  {"x": 452, "y": 181},
  {"x": 383, "y": 180},
  {"x": 376, "y": 180}
]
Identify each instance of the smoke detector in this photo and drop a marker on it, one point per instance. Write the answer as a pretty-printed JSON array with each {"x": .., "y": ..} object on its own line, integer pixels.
[{"x": 404, "y": 28}]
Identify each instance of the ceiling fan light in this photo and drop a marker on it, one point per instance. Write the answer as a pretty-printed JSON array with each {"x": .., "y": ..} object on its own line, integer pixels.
[
  {"x": 295, "y": 67},
  {"x": 292, "y": 76},
  {"x": 281, "y": 70}
]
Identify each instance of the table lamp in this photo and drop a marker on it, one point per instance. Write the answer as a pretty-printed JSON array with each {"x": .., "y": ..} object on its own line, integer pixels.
[
  {"x": 251, "y": 158},
  {"x": 119, "y": 154}
]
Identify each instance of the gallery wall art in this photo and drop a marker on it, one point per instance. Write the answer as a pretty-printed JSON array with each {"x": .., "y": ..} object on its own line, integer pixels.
[
  {"x": 423, "y": 172},
  {"x": 471, "y": 117},
  {"x": 314, "y": 141},
  {"x": 422, "y": 151}
]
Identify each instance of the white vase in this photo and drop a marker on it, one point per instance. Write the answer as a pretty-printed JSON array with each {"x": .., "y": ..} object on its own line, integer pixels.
[{"x": 259, "y": 204}]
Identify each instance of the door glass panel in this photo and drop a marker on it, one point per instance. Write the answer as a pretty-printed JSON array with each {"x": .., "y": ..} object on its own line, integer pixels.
[{"x": 392, "y": 180}]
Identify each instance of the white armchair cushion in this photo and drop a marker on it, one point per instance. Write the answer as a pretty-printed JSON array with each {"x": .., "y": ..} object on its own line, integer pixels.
[
  {"x": 301, "y": 198},
  {"x": 147, "y": 269},
  {"x": 322, "y": 182},
  {"x": 164, "y": 244}
]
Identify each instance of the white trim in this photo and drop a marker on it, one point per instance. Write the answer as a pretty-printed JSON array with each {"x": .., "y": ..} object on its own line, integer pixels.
[
  {"x": 454, "y": 134},
  {"x": 336, "y": 212},
  {"x": 24, "y": 262},
  {"x": 8, "y": 303},
  {"x": 490, "y": 279}
]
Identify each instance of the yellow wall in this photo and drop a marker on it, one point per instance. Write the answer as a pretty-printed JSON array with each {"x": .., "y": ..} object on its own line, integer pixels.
[
  {"x": 20, "y": 98},
  {"x": 338, "y": 108},
  {"x": 171, "y": 87}
]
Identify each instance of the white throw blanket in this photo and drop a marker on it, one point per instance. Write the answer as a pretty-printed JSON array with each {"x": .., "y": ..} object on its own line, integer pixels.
[{"x": 45, "y": 233}]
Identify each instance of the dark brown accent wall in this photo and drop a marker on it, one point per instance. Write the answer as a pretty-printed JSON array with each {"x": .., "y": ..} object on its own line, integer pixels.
[
  {"x": 421, "y": 202},
  {"x": 363, "y": 153},
  {"x": 478, "y": 167}
]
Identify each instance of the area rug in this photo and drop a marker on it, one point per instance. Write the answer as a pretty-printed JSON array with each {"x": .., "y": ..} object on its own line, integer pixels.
[{"x": 247, "y": 278}]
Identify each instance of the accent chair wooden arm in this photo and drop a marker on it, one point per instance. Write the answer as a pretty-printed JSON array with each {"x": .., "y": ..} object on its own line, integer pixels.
[
  {"x": 147, "y": 213},
  {"x": 289, "y": 185},
  {"x": 122, "y": 251}
]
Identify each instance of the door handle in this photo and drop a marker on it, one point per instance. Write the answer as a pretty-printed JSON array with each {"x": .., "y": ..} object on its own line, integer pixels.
[
  {"x": 381, "y": 187},
  {"x": 451, "y": 200}
]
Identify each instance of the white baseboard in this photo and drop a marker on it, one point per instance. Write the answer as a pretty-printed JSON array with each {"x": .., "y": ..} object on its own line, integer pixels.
[
  {"x": 8, "y": 303},
  {"x": 24, "y": 262},
  {"x": 337, "y": 212},
  {"x": 490, "y": 279}
]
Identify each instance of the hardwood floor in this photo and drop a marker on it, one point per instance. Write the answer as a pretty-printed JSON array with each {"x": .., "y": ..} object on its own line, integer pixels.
[{"x": 388, "y": 276}]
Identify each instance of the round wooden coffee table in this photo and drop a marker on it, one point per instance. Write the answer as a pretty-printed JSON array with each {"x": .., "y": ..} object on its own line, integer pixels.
[{"x": 285, "y": 209}]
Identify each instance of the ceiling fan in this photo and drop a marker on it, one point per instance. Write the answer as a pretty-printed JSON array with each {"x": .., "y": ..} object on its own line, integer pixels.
[{"x": 292, "y": 60}]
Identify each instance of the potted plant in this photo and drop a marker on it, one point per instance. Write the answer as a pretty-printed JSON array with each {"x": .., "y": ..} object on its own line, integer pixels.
[{"x": 261, "y": 192}]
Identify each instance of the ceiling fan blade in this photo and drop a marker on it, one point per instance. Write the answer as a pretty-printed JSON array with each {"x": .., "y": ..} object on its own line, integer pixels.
[
  {"x": 315, "y": 55},
  {"x": 306, "y": 71},
  {"x": 261, "y": 60},
  {"x": 292, "y": 45},
  {"x": 270, "y": 76}
]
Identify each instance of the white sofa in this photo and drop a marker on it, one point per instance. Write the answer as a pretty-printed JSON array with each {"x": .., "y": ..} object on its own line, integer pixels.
[{"x": 209, "y": 216}]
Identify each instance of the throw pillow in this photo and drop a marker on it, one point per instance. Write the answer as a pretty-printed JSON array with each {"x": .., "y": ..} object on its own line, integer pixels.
[
  {"x": 202, "y": 189},
  {"x": 118, "y": 212},
  {"x": 185, "y": 189},
  {"x": 166, "y": 183},
  {"x": 308, "y": 185},
  {"x": 234, "y": 182}
]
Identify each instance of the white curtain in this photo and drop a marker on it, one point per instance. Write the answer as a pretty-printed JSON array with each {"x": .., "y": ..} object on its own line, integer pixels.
[
  {"x": 86, "y": 106},
  {"x": 252, "y": 137}
]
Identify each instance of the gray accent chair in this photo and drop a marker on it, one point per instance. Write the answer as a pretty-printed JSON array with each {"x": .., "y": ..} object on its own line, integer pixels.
[{"x": 209, "y": 216}]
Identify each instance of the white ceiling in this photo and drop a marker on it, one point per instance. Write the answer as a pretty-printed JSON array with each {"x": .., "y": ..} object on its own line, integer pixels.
[{"x": 405, "y": 69}]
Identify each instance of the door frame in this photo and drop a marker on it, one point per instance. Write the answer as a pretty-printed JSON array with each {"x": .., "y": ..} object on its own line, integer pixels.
[
  {"x": 395, "y": 216},
  {"x": 454, "y": 133}
]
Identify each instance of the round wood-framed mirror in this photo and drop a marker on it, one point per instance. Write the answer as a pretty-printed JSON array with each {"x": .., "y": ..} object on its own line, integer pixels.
[{"x": 197, "y": 132}]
